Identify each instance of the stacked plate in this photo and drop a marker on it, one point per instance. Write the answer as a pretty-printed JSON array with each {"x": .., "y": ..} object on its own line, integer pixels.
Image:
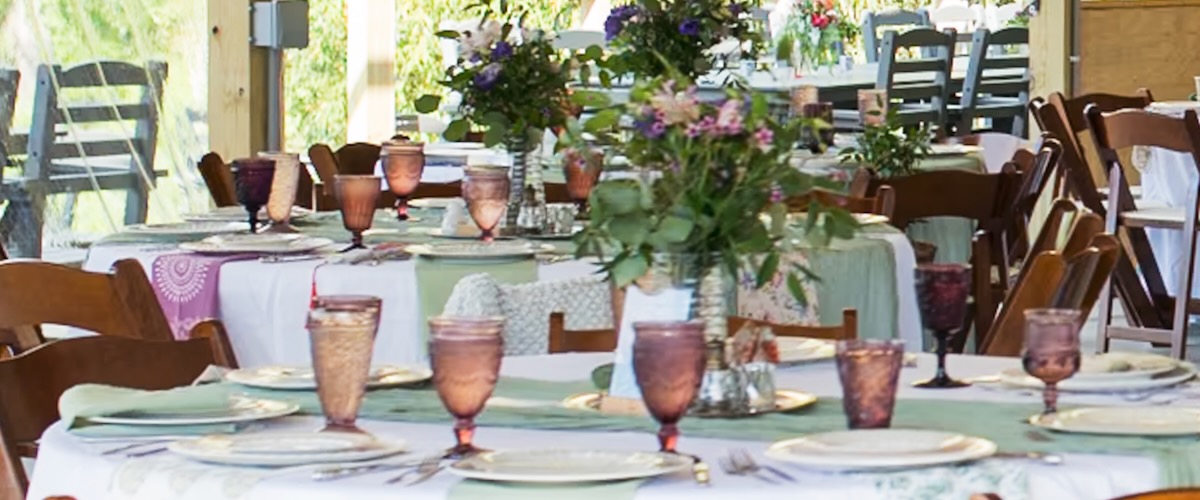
[
  {"x": 266, "y": 243},
  {"x": 1113, "y": 372},
  {"x": 238, "y": 214},
  {"x": 187, "y": 228},
  {"x": 880, "y": 449},
  {"x": 301, "y": 378},
  {"x": 477, "y": 250},
  {"x": 568, "y": 466},
  {"x": 280, "y": 449},
  {"x": 1125, "y": 421},
  {"x": 240, "y": 410}
]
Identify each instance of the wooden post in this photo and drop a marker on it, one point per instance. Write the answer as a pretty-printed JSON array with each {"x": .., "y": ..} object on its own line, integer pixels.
[
  {"x": 237, "y": 90},
  {"x": 370, "y": 70},
  {"x": 1051, "y": 35}
]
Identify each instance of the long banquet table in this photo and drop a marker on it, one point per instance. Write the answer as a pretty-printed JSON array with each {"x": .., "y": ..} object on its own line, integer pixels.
[{"x": 69, "y": 466}]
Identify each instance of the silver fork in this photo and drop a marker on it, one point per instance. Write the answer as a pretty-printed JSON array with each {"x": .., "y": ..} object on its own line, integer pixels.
[
  {"x": 426, "y": 469},
  {"x": 746, "y": 461},
  {"x": 731, "y": 466}
]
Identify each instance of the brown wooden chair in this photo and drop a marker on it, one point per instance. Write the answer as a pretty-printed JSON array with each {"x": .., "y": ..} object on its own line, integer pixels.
[
  {"x": 219, "y": 179},
  {"x": 883, "y": 203},
  {"x": 34, "y": 381},
  {"x": 1135, "y": 127},
  {"x": 121, "y": 303},
  {"x": 1172, "y": 494},
  {"x": 1073, "y": 111},
  {"x": 848, "y": 330}
]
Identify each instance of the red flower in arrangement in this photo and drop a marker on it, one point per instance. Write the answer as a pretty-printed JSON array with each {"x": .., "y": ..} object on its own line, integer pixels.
[{"x": 820, "y": 21}]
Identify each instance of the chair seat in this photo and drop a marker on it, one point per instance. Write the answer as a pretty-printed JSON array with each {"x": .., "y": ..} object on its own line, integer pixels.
[
  {"x": 1157, "y": 217},
  {"x": 1136, "y": 191}
]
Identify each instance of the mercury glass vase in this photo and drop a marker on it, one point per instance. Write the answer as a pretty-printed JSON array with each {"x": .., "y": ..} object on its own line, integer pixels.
[
  {"x": 283, "y": 189},
  {"x": 342, "y": 337},
  {"x": 525, "y": 172},
  {"x": 357, "y": 196},
  {"x": 252, "y": 179},
  {"x": 403, "y": 164}
]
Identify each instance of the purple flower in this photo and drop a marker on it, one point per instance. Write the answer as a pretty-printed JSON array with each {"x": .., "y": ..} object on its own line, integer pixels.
[
  {"x": 764, "y": 137},
  {"x": 617, "y": 19},
  {"x": 657, "y": 129},
  {"x": 689, "y": 27},
  {"x": 487, "y": 77},
  {"x": 776, "y": 193},
  {"x": 502, "y": 50}
]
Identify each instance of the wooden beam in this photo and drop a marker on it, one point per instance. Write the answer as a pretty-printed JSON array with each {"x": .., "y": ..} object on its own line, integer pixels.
[
  {"x": 370, "y": 70},
  {"x": 237, "y": 91},
  {"x": 1050, "y": 45},
  {"x": 1149, "y": 43}
]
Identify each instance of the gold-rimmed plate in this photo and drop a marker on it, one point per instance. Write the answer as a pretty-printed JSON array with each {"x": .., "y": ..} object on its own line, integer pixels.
[{"x": 785, "y": 401}]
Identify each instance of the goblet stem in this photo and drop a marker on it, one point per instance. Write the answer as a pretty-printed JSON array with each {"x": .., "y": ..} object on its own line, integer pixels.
[
  {"x": 1050, "y": 398},
  {"x": 941, "y": 336},
  {"x": 351, "y": 428},
  {"x": 487, "y": 236},
  {"x": 464, "y": 431},
  {"x": 401, "y": 208},
  {"x": 254, "y": 221},
  {"x": 356, "y": 242},
  {"x": 668, "y": 436}
]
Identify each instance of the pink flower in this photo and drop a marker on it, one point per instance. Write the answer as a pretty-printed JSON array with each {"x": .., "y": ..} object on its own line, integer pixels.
[
  {"x": 764, "y": 137},
  {"x": 673, "y": 107},
  {"x": 776, "y": 193},
  {"x": 729, "y": 118},
  {"x": 820, "y": 21}
]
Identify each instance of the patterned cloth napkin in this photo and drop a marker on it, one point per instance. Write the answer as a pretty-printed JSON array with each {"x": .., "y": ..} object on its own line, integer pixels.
[{"x": 186, "y": 285}]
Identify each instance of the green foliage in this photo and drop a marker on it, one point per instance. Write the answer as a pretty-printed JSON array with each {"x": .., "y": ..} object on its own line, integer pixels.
[
  {"x": 813, "y": 32},
  {"x": 889, "y": 149},
  {"x": 315, "y": 80}
]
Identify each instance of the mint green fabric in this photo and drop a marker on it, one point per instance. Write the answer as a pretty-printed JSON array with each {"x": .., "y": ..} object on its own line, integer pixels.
[
  {"x": 473, "y": 490},
  {"x": 436, "y": 279},
  {"x": 1178, "y": 457},
  {"x": 952, "y": 235},
  {"x": 859, "y": 273},
  {"x": 79, "y": 403}
]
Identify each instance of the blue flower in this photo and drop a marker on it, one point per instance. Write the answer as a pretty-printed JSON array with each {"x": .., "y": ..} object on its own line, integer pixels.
[
  {"x": 487, "y": 77},
  {"x": 689, "y": 27},
  {"x": 502, "y": 50},
  {"x": 617, "y": 18}
]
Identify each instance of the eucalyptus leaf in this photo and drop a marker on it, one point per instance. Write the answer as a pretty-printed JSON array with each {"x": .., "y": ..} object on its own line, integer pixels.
[
  {"x": 590, "y": 98},
  {"x": 674, "y": 229},
  {"x": 630, "y": 229},
  {"x": 448, "y": 34},
  {"x": 457, "y": 130},
  {"x": 796, "y": 288},
  {"x": 427, "y": 103},
  {"x": 603, "y": 120},
  {"x": 624, "y": 271},
  {"x": 618, "y": 197},
  {"x": 768, "y": 269},
  {"x": 494, "y": 135}
]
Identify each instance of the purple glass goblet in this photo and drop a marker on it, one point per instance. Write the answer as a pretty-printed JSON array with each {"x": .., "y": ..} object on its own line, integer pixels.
[
  {"x": 486, "y": 192},
  {"x": 1051, "y": 352},
  {"x": 668, "y": 363},
  {"x": 869, "y": 371},
  {"x": 942, "y": 291},
  {"x": 582, "y": 170},
  {"x": 465, "y": 354},
  {"x": 252, "y": 178},
  {"x": 342, "y": 336},
  {"x": 403, "y": 164},
  {"x": 357, "y": 195}
]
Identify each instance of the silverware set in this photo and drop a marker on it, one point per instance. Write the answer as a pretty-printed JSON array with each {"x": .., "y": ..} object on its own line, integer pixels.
[
  {"x": 414, "y": 472},
  {"x": 741, "y": 463}
]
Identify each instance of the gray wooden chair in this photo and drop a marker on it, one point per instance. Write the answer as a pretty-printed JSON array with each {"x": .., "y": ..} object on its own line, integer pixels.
[
  {"x": 872, "y": 22},
  {"x": 918, "y": 88},
  {"x": 986, "y": 93},
  {"x": 10, "y": 79},
  {"x": 94, "y": 142}
]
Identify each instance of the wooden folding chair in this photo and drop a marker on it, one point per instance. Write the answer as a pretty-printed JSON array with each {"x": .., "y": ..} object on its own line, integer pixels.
[
  {"x": 219, "y": 180},
  {"x": 873, "y": 21},
  {"x": 1136, "y": 127},
  {"x": 883, "y": 203},
  {"x": 1035, "y": 289},
  {"x": 36, "y": 379},
  {"x": 1172, "y": 494}
]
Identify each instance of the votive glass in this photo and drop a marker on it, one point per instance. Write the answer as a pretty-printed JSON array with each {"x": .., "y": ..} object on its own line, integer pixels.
[{"x": 869, "y": 371}]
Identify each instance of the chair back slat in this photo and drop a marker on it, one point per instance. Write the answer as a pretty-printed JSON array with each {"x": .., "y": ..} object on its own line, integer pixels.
[
  {"x": 873, "y": 21},
  {"x": 104, "y": 74},
  {"x": 102, "y": 113},
  {"x": 1076, "y": 280},
  {"x": 1033, "y": 290},
  {"x": 924, "y": 88},
  {"x": 985, "y": 198},
  {"x": 883, "y": 203},
  {"x": 1005, "y": 95},
  {"x": 219, "y": 179},
  {"x": 358, "y": 158}
]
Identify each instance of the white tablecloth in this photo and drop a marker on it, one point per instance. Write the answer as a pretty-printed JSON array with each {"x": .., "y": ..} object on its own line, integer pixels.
[{"x": 67, "y": 466}]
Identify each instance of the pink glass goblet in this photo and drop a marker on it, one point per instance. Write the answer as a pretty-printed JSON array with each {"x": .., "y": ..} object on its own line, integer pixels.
[
  {"x": 403, "y": 164},
  {"x": 342, "y": 336},
  {"x": 486, "y": 192},
  {"x": 357, "y": 195},
  {"x": 465, "y": 354},
  {"x": 668, "y": 363},
  {"x": 869, "y": 371},
  {"x": 582, "y": 170},
  {"x": 283, "y": 189},
  {"x": 942, "y": 291},
  {"x": 252, "y": 178},
  {"x": 1051, "y": 352}
]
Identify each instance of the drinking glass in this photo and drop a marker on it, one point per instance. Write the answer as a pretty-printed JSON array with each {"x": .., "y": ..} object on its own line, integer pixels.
[
  {"x": 486, "y": 193},
  {"x": 668, "y": 363},
  {"x": 465, "y": 355},
  {"x": 869, "y": 371},
  {"x": 942, "y": 291},
  {"x": 1051, "y": 351},
  {"x": 582, "y": 170},
  {"x": 357, "y": 195},
  {"x": 252, "y": 178},
  {"x": 403, "y": 164},
  {"x": 342, "y": 335},
  {"x": 283, "y": 189}
]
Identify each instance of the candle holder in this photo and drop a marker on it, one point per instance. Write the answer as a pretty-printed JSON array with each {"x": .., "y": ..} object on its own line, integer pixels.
[
  {"x": 357, "y": 195},
  {"x": 403, "y": 164},
  {"x": 252, "y": 178},
  {"x": 283, "y": 190},
  {"x": 942, "y": 291}
]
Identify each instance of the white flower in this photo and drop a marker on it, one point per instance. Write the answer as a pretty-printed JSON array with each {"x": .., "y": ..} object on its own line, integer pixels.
[{"x": 481, "y": 39}]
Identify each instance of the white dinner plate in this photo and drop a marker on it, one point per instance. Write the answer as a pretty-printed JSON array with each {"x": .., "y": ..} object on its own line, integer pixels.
[
  {"x": 1179, "y": 105},
  {"x": 1119, "y": 365},
  {"x": 869, "y": 219},
  {"x": 238, "y": 214},
  {"x": 476, "y": 250},
  {"x": 282, "y": 449},
  {"x": 266, "y": 243},
  {"x": 188, "y": 228},
  {"x": 568, "y": 466},
  {"x": 798, "y": 350},
  {"x": 432, "y": 202},
  {"x": 875, "y": 449},
  {"x": 1124, "y": 420},
  {"x": 240, "y": 410},
  {"x": 953, "y": 149},
  {"x": 301, "y": 378},
  {"x": 1182, "y": 373}
]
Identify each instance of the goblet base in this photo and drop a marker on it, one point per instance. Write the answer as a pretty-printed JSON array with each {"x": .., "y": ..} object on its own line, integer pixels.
[
  {"x": 407, "y": 218},
  {"x": 283, "y": 228},
  {"x": 941, "y": 383},
  {"x": 353, "y": 246},
  {"x": 343, "y": 428},
  {"x": 463, "y": 451}
]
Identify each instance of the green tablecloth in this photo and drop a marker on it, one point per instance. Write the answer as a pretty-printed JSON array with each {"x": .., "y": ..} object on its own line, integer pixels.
[
  {"x": 859, "y": 273},
  {"x": 952, "y": 235},
  {"x": 1178, "y": 457}
]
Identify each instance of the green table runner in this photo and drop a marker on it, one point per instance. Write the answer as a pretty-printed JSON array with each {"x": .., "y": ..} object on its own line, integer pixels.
[{"x": 1178, "y": 457}]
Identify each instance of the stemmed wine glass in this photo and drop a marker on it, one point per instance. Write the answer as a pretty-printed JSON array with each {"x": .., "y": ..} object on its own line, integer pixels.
[
  {"x": 252, "y": 178},
  {"x": 403, "y": 164},
  {"x": 465, "y": 354},
  {"x": 1051, "y": 351},
  {"x": 357, "y": 195},
  {"x": 486, "y": 192},
  {"x": 342, "y": 335},
  {"x": 283, "y": 189},
  {"x": 942, "y": 291},
  {"x": 582, "y": 170},
  {"x": 668, "y": 363}
]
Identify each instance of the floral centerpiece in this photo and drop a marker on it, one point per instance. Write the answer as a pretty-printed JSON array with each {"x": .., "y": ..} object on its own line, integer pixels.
[
  {"x": 647, "y": 37},
  {"x": 513, "y": 85},
  {"x": 814, "y": 34},
  {"x": 889, "y": 149}
]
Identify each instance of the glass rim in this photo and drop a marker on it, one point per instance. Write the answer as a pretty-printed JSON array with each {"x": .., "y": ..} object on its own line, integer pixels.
[
  {"x": 347, "y": 299},
  {"x": 486, "y": 170},
  {"x": 404, "y": 146},
  {"x": 943, "y": 266},
  {"x": 277, "y": 154},
  {"x": 1054, "y": 315},
  {"x": 254, "y": 163},
  {"x": 869, "y": 344},
  {"x": 356, "y": 177},
  {"x": 478, "y": 320}
]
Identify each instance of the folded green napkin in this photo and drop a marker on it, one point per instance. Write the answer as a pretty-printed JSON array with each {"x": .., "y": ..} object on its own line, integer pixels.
[
  {"x": 84, "y": 401},
  {"x": 471, "y": 489}
]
